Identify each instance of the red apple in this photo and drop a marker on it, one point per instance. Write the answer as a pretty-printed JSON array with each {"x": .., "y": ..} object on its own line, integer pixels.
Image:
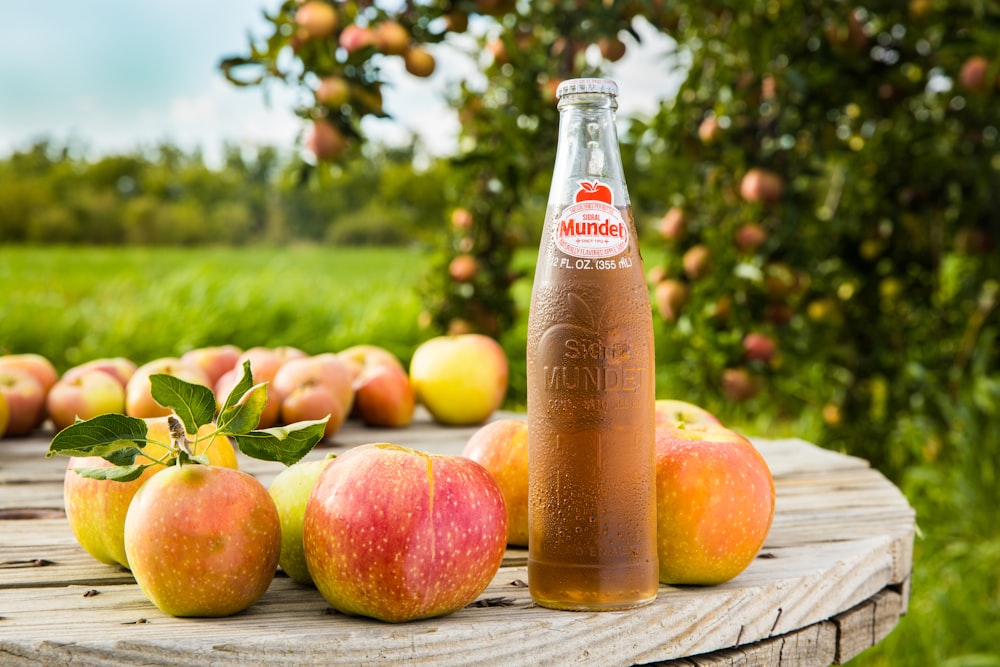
[
  {"x": 313, "y": 401},
  {"x": 325, "y": 141},
  {"x": 213, "y": 360},
  {"x": 397, "y": 534},
  {"x": 461, "y": 218},
  {"x": 84, "y": 395},
  {"x": 463, "y": 268},
  {"x": 696, "y": 261},
  {"x": 594, "y": 190},
  {"x": 25, "y": 399},
  {"x": 759, "y": 347},
  {"x": 202, "y": 540},
  {"x": 709, "y": 130},
  {"x": 391, "y": 38},
  {"x": 612, "y": 48},
  {"x": 715, "y": 503},
  {"x": 314, "y": 387},
  {"x": 502, "y": 448},
  {"x": 762, "y": 185},
  {"x": 333, "y": 92},
  {"x": 671, "y": 225},
  {"x": 750, "y": 237},
  {"x": 383, "y": 396},
  {"x": 972, "y": 76},
  {"x": 739, "y": 385},
  {"x": 316, "y": 19},
  {"x": 37, "y": 365},
  {"x": 290, "y": 491},
  {"x": 674, "y": 412},
  {"x": 670, "y": 296},
  {"x": 121, "y": 368},
  {"x": 361, "y": 356},
  {"x": 460, "y": 379},
  {"x": 139, "y": 401},
  {"x": 418, "y": 61},
  {"x": 354, "y": 38}
]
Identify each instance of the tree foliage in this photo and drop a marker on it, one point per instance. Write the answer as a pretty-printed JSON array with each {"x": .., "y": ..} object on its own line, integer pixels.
[{"x": 826, "y": 179}]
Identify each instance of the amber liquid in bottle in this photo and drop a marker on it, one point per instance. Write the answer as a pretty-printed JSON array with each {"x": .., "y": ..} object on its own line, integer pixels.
[{"x": 591, "y": 385}]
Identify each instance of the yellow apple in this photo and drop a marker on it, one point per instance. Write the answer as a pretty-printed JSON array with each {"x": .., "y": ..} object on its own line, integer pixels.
[{"x": 460, "y": 379}]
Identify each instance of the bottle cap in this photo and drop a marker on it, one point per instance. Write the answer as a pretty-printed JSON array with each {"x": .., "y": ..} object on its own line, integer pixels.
[{"x": 598, "y": 86}]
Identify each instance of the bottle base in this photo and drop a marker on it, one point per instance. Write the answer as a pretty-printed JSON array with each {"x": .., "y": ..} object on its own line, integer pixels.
[{"x": 569, "y": 605}]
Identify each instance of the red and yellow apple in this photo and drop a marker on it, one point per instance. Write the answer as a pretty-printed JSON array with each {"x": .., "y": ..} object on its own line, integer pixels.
[
  {"x": 213, "y": 360},
  {"x": 460, "y": 379},
  {"x": 397, "y": 534},
  {"x": 383, "y": 396},
  {"x": 84, "y": 395},
  {"x": 674, "y": 412},
  {"x": 95, "y": 508},
  {"x": 120, "y": 368},
  {"x": 418, "y": 61},
  {"x": 139, "y": 401},
  {"x": 502, "y": 448},
  {"x": 25, "y": 399},
  {"x": 37, "y": 365},
  {"x": 316, "y": 19},
  {"x": 202, "y": 540},
  {"x": 313, "y": 387},
  {"x": 715, "y": 503}
]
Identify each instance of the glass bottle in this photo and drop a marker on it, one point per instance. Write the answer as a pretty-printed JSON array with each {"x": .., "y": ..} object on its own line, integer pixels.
[{"x": 591, "y": 384}]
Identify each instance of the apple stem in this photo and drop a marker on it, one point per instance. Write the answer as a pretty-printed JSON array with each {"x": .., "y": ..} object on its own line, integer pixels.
[{"x": 178, "y": 436}]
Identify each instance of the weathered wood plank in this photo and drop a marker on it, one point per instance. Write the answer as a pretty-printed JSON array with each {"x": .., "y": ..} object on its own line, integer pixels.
[{"x": 841, "y": 540}]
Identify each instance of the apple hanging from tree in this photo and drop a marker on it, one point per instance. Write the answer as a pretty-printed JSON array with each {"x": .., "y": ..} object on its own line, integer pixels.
[{"x": 397, "y": 534}]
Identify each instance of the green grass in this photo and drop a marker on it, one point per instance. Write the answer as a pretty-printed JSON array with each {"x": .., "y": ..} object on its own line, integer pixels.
[{"x": 73, "y": 304}]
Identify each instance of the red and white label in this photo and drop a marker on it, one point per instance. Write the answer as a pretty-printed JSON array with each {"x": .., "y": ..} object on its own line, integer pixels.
[{"x": 591, "y": 227}]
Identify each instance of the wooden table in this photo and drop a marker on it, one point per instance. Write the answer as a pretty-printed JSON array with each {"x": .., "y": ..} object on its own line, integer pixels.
[{"x": 832, "y": 580}]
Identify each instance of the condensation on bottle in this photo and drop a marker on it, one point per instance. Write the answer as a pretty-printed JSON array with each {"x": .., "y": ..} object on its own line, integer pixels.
[{"x": 590, "y": 373}]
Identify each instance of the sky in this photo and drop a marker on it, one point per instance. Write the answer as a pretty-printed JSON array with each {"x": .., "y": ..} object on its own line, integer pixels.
[{"x": 118, "y": 75}]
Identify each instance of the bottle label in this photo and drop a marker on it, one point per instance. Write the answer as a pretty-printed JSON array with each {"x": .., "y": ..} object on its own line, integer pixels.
[{"x": 592, "y": 227}]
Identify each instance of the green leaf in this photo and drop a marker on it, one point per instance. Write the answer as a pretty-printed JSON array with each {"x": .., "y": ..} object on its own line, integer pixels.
[
  {"x": 193, "y": 403},
  {"x": 285, "y": 444},
  {"x": 240, "y": 388},
  {"x": 117, "y": 438},
  {"x": 114, "y": 473},
  {"x": 244, "y": 415}
]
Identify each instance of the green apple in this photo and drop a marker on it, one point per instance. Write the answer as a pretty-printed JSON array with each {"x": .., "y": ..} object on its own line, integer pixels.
[
  {"x": 290, "y": 490},
  {"x": 397, "y": 534}
]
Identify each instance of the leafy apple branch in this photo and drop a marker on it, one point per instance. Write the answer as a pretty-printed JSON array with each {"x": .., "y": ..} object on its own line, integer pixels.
[{"x": 121, "y": 440}]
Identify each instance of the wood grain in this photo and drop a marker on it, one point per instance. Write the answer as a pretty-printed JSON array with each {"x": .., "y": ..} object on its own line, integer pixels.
[{"x": 831, "y": 580}]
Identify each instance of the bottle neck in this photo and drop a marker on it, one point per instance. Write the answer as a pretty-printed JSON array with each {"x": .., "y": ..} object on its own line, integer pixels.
[{"x": 587, "y": 149}]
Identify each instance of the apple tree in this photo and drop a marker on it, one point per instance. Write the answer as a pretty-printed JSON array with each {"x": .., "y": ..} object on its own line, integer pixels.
[{"x": 818, "y": 201}]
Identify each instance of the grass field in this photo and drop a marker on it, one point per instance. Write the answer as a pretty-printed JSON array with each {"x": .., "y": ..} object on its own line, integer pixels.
[{"x": 74, "y": 304}]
